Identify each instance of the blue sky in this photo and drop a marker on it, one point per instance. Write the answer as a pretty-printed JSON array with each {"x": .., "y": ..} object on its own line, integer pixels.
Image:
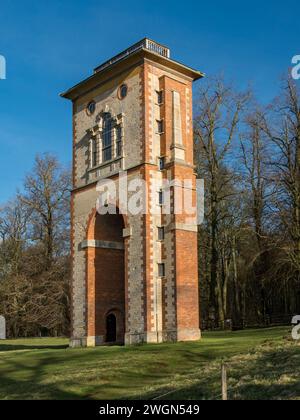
[{"x": 51, "y": 45}]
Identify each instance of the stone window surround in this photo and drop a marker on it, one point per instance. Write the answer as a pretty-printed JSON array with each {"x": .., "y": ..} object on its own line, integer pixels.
[
  {"x": 161, "y": 159},
  {"x": 161, "y": 197},
  {"x": 162, "y": 230},
  {"x": 120, "y": 97},
  {"x": 161, "y": 270},
  {"x": 95, "y": 134},
  {"x": 160, "y": 93},
  {"x": 160, "y": 124}
]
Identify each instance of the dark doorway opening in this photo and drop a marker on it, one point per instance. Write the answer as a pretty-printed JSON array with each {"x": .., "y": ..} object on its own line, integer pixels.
[{"x": 111, "y": 328}]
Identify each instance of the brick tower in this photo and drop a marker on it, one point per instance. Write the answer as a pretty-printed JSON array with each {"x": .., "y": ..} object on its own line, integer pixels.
[{"x": 135, "y": 276}]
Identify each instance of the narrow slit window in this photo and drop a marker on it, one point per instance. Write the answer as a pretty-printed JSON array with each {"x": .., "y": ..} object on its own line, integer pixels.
[
  {"x": 161, "y": 270},
  {"x": 160, "y": 126},
  {"x": 161, "y": 233},
  {"x": 160, "y": 97},
  {"x": 161, "y": 163},
  {"x": 161, "y": 197}
]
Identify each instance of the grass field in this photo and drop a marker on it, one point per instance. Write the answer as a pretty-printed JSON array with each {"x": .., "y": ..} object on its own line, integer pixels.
[{"x": 262, "y": 364}]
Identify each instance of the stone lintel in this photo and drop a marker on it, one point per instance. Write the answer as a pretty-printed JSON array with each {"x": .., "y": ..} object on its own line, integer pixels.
[
  {"x": 101, "y": 244},
  {"x": 177, "y": 146},
  {"x": 182, "y": 226}
]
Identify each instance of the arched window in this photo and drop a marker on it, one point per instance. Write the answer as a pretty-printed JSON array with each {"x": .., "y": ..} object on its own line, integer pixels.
[{"x": 107, "y": 138}]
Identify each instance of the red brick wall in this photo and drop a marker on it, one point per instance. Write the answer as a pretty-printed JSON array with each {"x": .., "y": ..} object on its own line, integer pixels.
[
  {"x": 109, "y": 227},
  {"x": 187, "y": 301},
  {"x": 109, "y": 289},
  {"x": 185, "y": 242},
  {"x": 106, "y": 277}
]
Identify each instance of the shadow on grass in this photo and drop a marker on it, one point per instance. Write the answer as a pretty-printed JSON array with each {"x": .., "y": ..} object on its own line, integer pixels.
[
  {"x": 16, "y": 347},
  {"x": 33, "y": 391},
  {"x": 32, "y": 384},
  {"x": 144, "y": 372},
  {"x": 274, "y": 375}
]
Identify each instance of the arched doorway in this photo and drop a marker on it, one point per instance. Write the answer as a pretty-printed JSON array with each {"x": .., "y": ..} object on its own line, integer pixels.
[
  {"x": 111, "y": 328},
  {"x": 106, "y": 279}
]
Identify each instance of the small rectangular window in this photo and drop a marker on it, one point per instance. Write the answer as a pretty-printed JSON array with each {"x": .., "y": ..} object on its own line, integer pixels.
[
  {"x": 161, "y": 270},
  {"x": 160, "y": 126},
  {"x": 161, "y": 197},
  {"x": 161, "y": 233},
  {"x": 160, "y": 97},
  {"x": 161, "y": 163}
]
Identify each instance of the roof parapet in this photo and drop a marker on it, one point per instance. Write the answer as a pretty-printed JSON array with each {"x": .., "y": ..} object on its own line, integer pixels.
[
  {"x": 145, "y": 43},
  {"x": 143, "y": 49}
]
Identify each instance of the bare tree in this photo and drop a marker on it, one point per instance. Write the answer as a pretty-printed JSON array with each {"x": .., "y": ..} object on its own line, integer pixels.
[
  {"x": 219, "y": 110},
  {"x": 283, "y": 129},
  {"x": 34, "y": 253},
  {"x": 13, "y": 235},
  {"x": 255, "y": 160},
  {"x": 47, "y": 192}
]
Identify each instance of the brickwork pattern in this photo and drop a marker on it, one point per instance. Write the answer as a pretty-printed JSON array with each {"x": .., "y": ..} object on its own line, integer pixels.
[{"x": 147, "y": 308}]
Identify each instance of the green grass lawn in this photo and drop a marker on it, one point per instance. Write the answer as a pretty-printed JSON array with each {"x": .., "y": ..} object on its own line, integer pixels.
[{"x": 262, "y": 364}]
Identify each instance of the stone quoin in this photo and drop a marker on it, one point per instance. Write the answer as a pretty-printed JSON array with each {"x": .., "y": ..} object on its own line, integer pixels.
[
  {"x": 2, "y": 328},
  {"x": 134, "y": 277}
]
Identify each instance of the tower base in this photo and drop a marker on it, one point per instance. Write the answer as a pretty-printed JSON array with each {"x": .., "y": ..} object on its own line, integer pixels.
[{"x": 141, "y": 338}]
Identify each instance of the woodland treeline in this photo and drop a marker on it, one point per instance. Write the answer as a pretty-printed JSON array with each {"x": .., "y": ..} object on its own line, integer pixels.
[
  {"x": 34, "y": 253},
  {"x": 249, "y": 244}
]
